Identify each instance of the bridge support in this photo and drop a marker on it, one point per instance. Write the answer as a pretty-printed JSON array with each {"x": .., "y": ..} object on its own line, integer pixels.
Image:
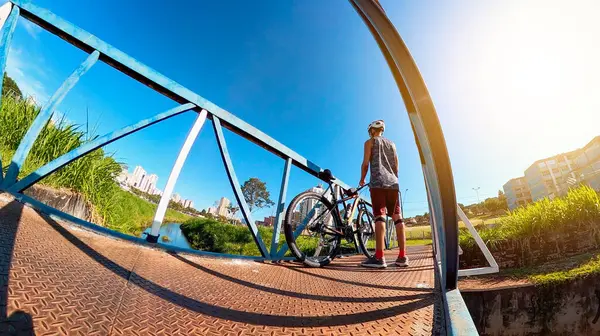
[
  {"x": 280, "y": 208},
  {"x": 237, "y": 190},
  {"x": 166, "y": 197}
]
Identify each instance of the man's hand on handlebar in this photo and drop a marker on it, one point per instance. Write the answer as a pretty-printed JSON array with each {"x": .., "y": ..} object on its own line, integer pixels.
[{"x": 361, "y": 183}]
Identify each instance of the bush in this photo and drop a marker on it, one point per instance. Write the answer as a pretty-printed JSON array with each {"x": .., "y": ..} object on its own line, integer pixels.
[{"x": 210, "y": 235}]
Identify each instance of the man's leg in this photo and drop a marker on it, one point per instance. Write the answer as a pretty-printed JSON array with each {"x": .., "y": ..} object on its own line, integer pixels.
[
  {"x": 400, "y": 234},
  {"x": 394, "y": 208},
  {"x": 379, "y": 236}
]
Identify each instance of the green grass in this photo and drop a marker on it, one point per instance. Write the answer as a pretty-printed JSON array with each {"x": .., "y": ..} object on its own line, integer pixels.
[
  {"x": 132, "y": 214},
  {"x": 92, "y": 175},
  {"x": 415, "y": 242},
  {"x": 578, "y": 211},
  {"x": 589, "y": 268},
  {"x": 555, "y": 272},
  {"x": 418, "y": 232}
]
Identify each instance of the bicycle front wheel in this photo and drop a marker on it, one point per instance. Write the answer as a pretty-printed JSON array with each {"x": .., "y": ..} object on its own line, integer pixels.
[{"x": 309, "y": 221}]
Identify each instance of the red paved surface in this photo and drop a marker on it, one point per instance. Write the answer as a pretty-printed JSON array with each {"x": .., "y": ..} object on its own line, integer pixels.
[{"x": 57, "y": 279}]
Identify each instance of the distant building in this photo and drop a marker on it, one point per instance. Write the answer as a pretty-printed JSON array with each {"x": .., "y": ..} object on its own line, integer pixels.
[
  {"x": 223, "y": 209},
  {"x": 588, "y": 165},
  {"x": 296, "y": 216},
  {"x": 188, "y": 203},
  {"x": 517, "y": 192},
  {"x": 307, "y": 205},
  {"x": 554, "y": 176},
  {"x": 548, "y": 177},
  {"x": 176, "y": 198},
  {"x": 269, "y": 221},
  {"x": 138, "y": 175},
  {"x": 148, "y": 183},
  {"x": 212, "y": 211}
]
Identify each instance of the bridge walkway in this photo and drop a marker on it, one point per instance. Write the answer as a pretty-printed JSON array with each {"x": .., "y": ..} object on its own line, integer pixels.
[{"x": 59, "y": 279}]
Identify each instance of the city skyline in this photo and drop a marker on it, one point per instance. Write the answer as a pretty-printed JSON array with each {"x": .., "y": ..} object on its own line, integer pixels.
[{"x": 146, "y": 183}]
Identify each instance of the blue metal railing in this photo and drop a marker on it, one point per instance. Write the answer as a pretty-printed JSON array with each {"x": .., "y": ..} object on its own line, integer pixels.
[{"x": 426, "y": 127}]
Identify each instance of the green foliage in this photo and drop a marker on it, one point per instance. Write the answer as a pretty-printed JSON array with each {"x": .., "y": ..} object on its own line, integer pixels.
[
  {"x": 578, "y": 211},
  {"x": 256, "y": 194},
  {"x": 132, "y": 214},
  {"x": 211, "y": 235},
  {"x": 589, "y": 268},
  {"x": 10, "y": 88}
]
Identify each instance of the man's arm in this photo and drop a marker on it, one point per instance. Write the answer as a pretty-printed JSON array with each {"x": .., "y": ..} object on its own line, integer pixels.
[{"x": 364, "y": 168}]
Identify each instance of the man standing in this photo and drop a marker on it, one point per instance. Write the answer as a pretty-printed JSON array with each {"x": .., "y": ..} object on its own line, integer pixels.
[{"x": 380, "y": 156}]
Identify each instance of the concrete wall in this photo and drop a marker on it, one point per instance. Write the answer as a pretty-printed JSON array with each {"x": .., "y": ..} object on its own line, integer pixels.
[
  {"x": 63, "y": 200},
  {"x": 567, "y": 309}
]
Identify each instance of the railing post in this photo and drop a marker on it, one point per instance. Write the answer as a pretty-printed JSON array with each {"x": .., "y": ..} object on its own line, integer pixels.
[
  {"x": 9, "y": 15},
  {"x": 280, "y": 208},
  {"x": 237, "y": 190},
  {"x": 166, "y": 197},
  {"x": 42, "y": 118}
]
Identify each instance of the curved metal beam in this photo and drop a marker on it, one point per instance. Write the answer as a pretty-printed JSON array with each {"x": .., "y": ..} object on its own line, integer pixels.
[
  {"x": 440, "y": 182},
  {"x": 237, "y": 190}
]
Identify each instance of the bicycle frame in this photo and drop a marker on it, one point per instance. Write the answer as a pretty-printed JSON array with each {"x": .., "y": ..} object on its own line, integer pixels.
[{"x": 348, "y": 215}]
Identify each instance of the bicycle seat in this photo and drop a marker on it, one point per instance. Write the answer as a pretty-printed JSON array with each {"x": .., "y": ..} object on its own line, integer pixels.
[{"x": 326, "y": 175}]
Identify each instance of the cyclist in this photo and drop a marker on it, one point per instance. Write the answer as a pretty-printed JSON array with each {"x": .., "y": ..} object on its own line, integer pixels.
[{"x": 380, "y": 155}]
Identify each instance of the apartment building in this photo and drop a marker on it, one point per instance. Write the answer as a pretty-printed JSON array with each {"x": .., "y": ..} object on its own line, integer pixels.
[
  {"x": 588, "y": 164},
  {"x": 549, "y": 177},
  {"x": 552, "y": 177},
  {"x": 517, "y": 192}
]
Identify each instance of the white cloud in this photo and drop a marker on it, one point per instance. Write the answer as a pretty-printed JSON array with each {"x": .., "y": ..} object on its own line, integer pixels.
[
  {"x": 32, "y": 29},
  {"x": 25, "y": 70}
]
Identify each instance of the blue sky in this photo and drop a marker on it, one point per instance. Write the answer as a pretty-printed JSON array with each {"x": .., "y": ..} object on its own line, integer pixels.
[{"x": 512, "y": 83}]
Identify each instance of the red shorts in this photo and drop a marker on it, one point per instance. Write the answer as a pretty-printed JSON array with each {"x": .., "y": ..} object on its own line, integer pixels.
[{"x": 385, "y": 199}]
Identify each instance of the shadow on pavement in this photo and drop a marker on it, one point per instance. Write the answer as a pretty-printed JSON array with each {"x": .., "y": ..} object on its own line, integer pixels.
[{"x": 19, "y": 322}]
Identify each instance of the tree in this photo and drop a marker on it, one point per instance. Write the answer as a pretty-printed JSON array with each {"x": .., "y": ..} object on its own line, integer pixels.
[
  {"x": 232, "y": 209},
  {"x": 256, "y": 194},
  {"x": 9, "y": 86}
]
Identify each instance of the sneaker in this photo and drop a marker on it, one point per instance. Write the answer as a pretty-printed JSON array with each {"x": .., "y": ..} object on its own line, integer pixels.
[
  {"x": 402, "y": 261},
  {"x": 374, "y": 263}
]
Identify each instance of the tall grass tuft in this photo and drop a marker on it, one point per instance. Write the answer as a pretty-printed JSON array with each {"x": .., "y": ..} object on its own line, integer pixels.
[{"x": 578, "y": 211}]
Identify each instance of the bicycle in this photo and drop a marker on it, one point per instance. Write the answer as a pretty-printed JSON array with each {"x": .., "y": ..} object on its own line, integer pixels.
[{"x": 320, "y": 233}]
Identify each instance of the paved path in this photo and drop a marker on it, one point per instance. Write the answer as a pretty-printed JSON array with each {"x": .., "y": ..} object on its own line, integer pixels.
[{"x": 57, "y": 279}]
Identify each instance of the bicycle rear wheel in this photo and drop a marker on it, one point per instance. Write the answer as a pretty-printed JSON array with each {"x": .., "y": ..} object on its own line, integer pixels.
[
  {"x": 307, "y": 220},
  {"x": 366, "y": 233}
]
